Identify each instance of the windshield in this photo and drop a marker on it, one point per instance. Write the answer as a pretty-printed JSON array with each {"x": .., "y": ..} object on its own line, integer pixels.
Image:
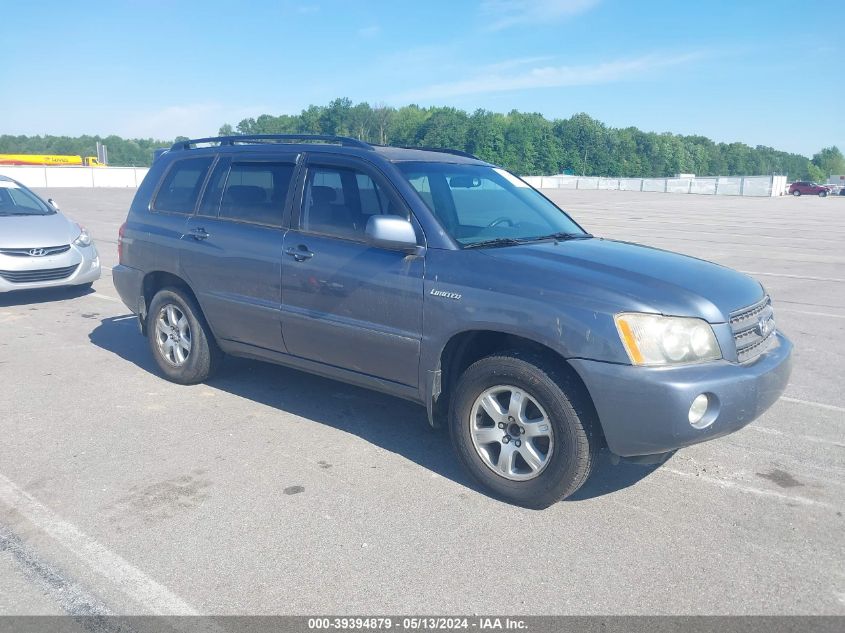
[
  {"x": 477, "y": 203},
  {"x": 15, "y": 200}
]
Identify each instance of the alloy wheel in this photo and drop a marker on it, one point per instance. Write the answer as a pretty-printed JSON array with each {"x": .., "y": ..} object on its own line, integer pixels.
[
  {"x": 511, "y": 432},
  {"x": 173, "y": 334}
]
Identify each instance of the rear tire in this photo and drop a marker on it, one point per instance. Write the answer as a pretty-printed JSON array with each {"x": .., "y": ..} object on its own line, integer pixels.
[
  {"x": 796, "y": 193},
  {"x": 546, "y": 470},
  {"x": 179, "y": 337}
]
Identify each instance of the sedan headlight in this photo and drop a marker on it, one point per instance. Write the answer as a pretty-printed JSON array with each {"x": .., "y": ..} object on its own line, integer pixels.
[
  {"x": 654, "y": 339},
  {"x": 84, "y": 239}
]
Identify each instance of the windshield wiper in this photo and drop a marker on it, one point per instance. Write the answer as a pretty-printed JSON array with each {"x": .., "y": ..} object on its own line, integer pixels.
[
  {"x": 499, "y": 241},
  {"x": 513, "y": 241},
  {"x": 560, "y": 237}
]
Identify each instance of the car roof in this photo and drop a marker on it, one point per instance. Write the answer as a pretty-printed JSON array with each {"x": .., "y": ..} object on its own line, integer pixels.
[
  {"x": 426, "y": 154},
  {"x": 296, "y": 143}
]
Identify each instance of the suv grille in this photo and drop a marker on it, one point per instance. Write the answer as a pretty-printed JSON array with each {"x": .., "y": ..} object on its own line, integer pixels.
[
  {"x": 30, "y": 276},
  {"x": 753, "y": 329},
  {"x": 35, "y": 252}
]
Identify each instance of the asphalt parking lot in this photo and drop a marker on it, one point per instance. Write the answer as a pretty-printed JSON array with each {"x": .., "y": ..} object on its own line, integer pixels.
[{"x": 272, "y": 491}]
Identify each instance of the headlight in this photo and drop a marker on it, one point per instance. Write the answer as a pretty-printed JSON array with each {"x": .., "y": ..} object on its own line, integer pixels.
[
  {"x": 653, "y": 339},
  {"x": 84, "y": 239}
]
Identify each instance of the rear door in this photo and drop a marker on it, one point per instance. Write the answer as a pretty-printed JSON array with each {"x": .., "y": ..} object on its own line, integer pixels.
[
  {"x": 159, "y": 235},
  {"x": 344, "y": 302},
  {"x": 232, "y": 247}
]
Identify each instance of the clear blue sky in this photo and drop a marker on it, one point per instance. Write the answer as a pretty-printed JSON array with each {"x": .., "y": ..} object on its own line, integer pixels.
[{"x": 764, "y": 72}]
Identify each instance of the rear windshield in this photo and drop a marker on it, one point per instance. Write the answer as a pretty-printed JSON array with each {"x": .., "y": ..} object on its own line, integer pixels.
[
  {"x": 16, "y": 200},
  {"x": 476, "y": 203}
]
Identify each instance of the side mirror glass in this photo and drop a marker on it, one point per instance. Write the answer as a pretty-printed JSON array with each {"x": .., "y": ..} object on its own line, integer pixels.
[
  {"x": 392, "y": 232},
  {"x": 53, "y": 204}
]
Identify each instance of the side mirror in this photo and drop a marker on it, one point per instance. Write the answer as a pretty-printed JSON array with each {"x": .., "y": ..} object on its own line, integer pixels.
[
  {"x": 53, "y": 203},
  {"x": 392, "y": 232}
]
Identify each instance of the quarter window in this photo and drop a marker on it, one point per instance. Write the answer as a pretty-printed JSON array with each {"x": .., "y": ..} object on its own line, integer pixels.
[{"x": 182, "y": 184}]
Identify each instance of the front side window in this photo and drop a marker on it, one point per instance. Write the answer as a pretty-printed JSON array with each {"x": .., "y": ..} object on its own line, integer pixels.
[
  {"x": 339, "y": 201},
  {"x": 476, "y": 203},
  {"x": 182, "y": 184},
  {"x": 256, "y": 192}
]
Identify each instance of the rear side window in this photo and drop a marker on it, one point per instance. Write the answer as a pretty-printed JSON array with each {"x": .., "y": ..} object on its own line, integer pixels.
[
  {"x": 181, "y": 186},
  {"x": 210, "y": 203},
  {"x": 256, "y": 192}
]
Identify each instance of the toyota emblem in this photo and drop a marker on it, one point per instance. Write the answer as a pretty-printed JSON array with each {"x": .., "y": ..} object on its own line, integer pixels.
[{"x": 765, "y": 326}]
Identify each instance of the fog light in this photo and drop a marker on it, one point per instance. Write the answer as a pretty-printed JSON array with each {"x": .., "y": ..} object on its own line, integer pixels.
[{"x": 697, "y": 410}]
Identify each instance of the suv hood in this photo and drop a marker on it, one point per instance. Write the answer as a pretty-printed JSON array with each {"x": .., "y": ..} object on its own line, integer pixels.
[
  {"x": 31, "y": 231},
  {"x": 634, "y": 277}
]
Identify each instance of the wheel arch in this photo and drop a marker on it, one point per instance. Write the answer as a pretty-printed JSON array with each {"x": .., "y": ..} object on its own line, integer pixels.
[
  {"x": 466, "y": 347},
  {"x": 155, "y": 281}
]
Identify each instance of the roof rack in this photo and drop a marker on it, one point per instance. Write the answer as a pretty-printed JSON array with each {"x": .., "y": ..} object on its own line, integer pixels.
[
  {"x": 445, "y": 150},
  {"x": 264, "y": 138}
]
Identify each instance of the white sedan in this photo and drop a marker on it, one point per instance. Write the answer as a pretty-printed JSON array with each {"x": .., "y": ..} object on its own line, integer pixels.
[{"x": 40, "y": 247}]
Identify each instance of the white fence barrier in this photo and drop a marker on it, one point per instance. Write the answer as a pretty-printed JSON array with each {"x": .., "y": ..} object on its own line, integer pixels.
[
  {"x": 34, "y": 176},
  {"x": 705, "y": 186},
  {"x": 722, "y": 185}
]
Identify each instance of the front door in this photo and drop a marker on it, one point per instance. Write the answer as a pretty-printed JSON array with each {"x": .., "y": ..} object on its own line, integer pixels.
[
  {"x": 344, "y": 302},
  {"x": 232, "y": 248}
]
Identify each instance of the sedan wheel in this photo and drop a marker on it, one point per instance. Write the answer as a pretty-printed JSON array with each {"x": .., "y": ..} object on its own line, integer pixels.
[{"x": 796, "y": 193}]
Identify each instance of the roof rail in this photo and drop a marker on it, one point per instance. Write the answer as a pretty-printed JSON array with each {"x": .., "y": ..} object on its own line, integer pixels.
[
  {"x": 263, "y": 138},
  {"x": 445, "y": 150}
]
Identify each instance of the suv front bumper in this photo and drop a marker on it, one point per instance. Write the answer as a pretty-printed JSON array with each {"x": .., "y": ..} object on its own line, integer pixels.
[{"x": 644, "y": 410}]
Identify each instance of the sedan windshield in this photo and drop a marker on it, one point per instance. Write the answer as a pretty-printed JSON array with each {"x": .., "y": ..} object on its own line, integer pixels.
[
  {"x": 15, "y": 200},
  {"x": 487, "y": 206}
]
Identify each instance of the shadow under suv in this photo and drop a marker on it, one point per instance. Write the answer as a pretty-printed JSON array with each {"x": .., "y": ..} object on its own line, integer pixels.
[{"x": 434, "y": 276}]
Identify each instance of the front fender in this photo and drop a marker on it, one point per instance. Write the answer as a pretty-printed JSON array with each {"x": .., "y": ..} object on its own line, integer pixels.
[{"x": 460, "y": 298}]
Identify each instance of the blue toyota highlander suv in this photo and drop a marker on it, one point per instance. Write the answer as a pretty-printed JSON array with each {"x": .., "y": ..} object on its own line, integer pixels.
[{"x": 436, "y": 277}]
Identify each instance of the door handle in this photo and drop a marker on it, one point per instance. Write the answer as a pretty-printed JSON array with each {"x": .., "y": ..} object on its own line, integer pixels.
[
  {"x": 300, "y": 254},
  {"x": 200, "y": 233}
]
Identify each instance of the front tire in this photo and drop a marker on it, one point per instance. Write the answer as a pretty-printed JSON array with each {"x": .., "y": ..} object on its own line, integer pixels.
[
  {"x": 822, "y": 194},
  {"x": 524, "y": 429},
  {"x": 180, "y": 339}
]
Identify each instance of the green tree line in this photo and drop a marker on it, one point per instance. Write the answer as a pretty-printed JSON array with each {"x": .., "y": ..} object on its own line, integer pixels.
[
  {"x": 530, "y": 144},
  {"x": 136, "y": 152},
  {"x": 526, "y": 143}
]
